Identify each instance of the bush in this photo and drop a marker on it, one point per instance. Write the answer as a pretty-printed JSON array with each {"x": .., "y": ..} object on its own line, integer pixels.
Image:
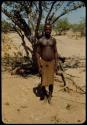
[
  {"x": 62, "y": 25},
  {"x": 6, "y": 26},
  {"x": 80, "y": 27}
]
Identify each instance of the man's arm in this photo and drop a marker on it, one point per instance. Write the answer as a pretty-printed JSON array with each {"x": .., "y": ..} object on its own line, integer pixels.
[
  {"x": 62, "y": 59},
  {"x": 57, "y": 55}
]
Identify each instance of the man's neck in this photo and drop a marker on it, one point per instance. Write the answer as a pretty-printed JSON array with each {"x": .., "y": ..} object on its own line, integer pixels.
[{"x": 48, "y": 37}]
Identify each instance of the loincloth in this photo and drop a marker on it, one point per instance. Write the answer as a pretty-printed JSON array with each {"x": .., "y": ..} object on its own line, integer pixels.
[{"x": 47, "y": 72}]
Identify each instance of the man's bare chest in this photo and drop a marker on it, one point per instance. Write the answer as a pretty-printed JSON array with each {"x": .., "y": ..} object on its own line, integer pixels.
[{"x": 47, "y": 42}]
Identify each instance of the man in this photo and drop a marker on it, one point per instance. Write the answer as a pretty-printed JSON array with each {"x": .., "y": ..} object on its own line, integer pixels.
[{"x": 47, "y": 61}]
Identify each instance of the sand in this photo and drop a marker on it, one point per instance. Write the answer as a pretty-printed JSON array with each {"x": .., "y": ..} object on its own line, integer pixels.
[{"x": 20, "y": 105}]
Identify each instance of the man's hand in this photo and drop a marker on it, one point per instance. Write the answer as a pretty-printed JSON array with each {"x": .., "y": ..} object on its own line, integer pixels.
[{"x": 62, "y": 59}]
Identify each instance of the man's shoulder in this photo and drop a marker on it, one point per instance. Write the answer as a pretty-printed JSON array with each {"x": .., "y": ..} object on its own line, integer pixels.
[
  {"x": 53, "y": 39},
  {"x": 42, "y": 38}
]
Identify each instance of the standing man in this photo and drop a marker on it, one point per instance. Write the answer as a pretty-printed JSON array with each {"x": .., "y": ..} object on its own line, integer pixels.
[{"x": 47, "y": 61}]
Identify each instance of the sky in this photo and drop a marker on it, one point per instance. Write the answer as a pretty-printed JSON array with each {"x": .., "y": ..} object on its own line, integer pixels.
[
  {"x": 77, "y": 15},
  {"x": 73, "y": 17}
]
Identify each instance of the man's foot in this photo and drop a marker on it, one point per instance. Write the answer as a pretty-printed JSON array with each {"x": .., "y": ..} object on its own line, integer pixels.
[
  {"x": 42, "y": 98},
  {"x": 49, "y": 98}
]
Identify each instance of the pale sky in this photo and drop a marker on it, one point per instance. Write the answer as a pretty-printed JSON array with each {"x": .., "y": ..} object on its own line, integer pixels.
[{"x": 75, "y": 16}]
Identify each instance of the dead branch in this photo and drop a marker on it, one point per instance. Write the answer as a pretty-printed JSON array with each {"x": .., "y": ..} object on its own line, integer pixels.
[
  {"x": 72, "y": 75},
  {"x": 19, "y": 21},
  {"x": 67, "y": 11},
  {"x": 71, "y": 100},
  {"x": 77, "y": 87},
  {"x": 62, "y": 74},
  {"x": 26, "y": 48}
]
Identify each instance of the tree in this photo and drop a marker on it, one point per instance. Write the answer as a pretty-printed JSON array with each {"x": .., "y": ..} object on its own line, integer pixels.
[
  {"x": 62, "y": 25},
  {"x": 26, "y": 16},
  {"x": 80, "y": 27}
]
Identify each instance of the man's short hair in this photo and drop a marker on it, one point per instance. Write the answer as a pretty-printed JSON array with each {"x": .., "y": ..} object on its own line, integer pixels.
[{"x": 48, "y": 24}]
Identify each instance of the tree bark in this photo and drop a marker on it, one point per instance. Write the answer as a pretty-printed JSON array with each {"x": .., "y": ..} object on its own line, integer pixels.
[{"x": 39, "y": 19}]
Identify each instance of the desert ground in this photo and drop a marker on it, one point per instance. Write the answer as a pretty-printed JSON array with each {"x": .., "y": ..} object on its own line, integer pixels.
[{"x": 20, "y": 105}]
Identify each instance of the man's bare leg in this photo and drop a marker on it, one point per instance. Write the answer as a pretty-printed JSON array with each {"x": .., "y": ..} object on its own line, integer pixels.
[
  {"x": 50, "y": 93},
  {"x": 44, "y": 93}
]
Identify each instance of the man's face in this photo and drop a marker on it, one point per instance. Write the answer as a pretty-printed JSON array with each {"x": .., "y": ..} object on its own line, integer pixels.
[{"x": 48, "y": 30}]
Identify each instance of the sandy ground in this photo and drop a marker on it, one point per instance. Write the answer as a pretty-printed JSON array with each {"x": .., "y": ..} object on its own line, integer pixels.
[{"x": 20, "y": 105}]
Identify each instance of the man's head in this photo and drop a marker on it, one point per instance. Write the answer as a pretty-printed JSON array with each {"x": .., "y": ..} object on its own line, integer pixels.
[{"x": 48, "y": 29}]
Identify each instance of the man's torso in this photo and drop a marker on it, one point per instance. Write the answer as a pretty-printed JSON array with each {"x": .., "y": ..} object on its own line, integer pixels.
[{"x": 47, "y": 48}]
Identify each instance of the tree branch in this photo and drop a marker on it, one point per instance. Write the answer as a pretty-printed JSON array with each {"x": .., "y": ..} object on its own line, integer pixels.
[
  {"x": 50, "y": 18},
  {"x": 39, "y": 18},
  {"x": 49, "y": 11},
  {"x": 68, "y": 10},
  {"x": 26, "y": 48},
  {"x": 20, "y": 22},
  {"x": 19, "y": 32}
]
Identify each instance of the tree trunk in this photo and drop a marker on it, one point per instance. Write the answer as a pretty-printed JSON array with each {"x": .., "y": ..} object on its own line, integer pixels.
[{"x": 34, "y": 59}]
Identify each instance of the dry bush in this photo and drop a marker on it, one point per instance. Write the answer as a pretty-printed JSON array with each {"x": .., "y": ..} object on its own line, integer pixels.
[{"x": 10, "y": 52}]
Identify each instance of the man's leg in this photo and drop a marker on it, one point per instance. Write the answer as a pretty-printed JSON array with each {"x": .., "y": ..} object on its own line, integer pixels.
[
  {"x": 50, "y": 93},
  {"x": 50, "y": 89},
  {"x": 44, "y": 93},
  {"x": 42, "y": 90}
]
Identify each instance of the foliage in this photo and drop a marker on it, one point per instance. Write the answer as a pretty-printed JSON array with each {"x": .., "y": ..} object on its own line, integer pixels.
[
  {"x": 80, "y": 27},
  {"x": 6, "y": 26},
  {"x": 62, "y": 25}
]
